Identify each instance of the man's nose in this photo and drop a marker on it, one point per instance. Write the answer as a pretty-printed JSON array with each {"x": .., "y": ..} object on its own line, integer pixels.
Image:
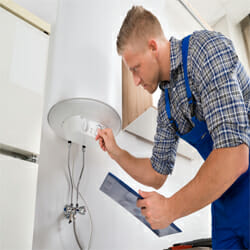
[{"x": 137, "y": 79}]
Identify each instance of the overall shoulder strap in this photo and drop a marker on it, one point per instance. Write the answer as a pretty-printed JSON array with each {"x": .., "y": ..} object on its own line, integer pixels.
[{"x": 185, "y": 43}]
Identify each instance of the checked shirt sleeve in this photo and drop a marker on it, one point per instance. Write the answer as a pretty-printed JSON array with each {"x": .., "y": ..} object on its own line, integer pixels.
[
  {"x": 165, "y": 145},
  {"x": 222, "y": 80}
]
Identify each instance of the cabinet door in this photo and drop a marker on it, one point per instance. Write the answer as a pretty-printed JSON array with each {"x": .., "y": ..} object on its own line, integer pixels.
[
  {"x": 23, "y": 64},
  {"x": 18, "y": 180}
]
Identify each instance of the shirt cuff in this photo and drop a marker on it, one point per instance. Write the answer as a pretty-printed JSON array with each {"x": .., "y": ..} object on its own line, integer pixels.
[
  {"x": 230, "y": 135},
  {"x": 164, "y": 167}
]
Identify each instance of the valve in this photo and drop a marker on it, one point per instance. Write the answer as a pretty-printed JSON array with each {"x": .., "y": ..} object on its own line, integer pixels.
[{"x": 70, "y": 211}]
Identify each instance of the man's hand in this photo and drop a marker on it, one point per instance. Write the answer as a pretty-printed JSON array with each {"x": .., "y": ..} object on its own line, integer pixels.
[
  {"x": 156, "y": 209},
  {"x": 138, "y": 168},
  {"x": 107, "y": 142}
]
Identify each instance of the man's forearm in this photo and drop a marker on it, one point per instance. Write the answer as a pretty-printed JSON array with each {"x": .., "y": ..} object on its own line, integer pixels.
[
  {"x": 216, "y": 175},
  {"x": 140, "y": 169}
]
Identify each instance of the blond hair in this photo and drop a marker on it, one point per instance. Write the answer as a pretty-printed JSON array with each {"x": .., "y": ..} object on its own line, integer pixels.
[{"x": 138, "y": 24}]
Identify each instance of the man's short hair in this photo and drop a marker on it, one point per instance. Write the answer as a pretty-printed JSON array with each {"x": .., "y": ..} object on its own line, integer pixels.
[{"x": 138, "y": 24}]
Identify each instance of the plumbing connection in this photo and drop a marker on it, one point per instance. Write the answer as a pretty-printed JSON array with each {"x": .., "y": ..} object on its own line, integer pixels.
[{"x": 71, "y": 210}]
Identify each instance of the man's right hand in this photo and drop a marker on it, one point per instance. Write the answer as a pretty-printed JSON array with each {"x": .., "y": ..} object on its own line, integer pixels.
[
  {"x": 107, "y": 142},
  {"x": 138, "y": 168}
]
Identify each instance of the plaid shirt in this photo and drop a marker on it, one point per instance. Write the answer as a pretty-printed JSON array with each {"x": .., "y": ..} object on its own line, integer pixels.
[{"x": 221, "y": 89}]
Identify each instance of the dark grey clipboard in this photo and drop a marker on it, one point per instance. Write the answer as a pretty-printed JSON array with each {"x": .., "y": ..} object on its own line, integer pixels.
[{"x": 127, "y": 197}]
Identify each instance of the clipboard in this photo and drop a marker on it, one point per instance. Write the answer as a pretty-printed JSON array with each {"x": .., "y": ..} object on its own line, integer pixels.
[{"x": 127, "y": 198}]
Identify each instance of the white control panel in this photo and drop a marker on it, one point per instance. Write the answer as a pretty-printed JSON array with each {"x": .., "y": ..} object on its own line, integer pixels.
[{"x": 77, "y": 126}]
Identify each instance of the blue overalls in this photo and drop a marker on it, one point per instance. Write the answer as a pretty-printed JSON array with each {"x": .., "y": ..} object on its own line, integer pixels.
[{"x": 230, "y": 213}]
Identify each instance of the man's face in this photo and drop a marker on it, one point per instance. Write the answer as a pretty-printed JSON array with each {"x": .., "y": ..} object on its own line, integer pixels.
[{"x": 144, "y": 66}]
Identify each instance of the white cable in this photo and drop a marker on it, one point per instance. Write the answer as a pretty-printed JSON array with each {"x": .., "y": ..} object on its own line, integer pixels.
[
  {"x": 80, "y": 176},
  {"x": 70, "y": 174},
  {"x": 91, "y": 221},
  {"x": 74, "y": 228}
]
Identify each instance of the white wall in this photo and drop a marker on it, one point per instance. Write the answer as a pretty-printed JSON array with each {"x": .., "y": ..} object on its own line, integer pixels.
[
  {"x": 232, "y": 29},
  {"x": 44, "y": 9},
  {"x": 225, "y": 16},
  {"x": 113, "y": 227}
]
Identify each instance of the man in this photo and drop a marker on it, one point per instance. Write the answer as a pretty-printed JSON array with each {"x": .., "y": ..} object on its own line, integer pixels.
[{"x": 206, "y": 101}]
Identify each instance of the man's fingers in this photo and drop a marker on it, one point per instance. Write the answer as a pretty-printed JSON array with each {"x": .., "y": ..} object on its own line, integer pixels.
[
  {"x": 142, "y": 203},
  {"x": 105, "y": 131},
  {"x": 97, "y": 137},
  {"x": 102, "y": 131},
  {"x": 102, "y": 144},
  {"x": 106, "y": 138},
  {"x": 143, "y": 211},
  {"x": 101, "y": 136},
  {"x": 145, "y": 194}
]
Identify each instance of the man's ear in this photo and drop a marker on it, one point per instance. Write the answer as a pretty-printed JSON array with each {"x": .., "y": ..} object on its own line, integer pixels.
[{"x": 152, "y": 44}]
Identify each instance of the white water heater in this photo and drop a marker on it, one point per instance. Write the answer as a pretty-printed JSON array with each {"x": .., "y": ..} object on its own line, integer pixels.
[
  {"x": 78, "y": 119},
  {"x": 85, "y": 71}
]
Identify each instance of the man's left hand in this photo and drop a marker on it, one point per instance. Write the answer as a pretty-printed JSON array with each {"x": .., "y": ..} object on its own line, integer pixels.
[{"x": 156, "y": 209}]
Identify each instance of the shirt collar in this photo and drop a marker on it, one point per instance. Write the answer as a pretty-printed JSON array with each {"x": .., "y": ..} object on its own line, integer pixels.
[
  {"x": 175, "y": 62},
  {"x": 175, "y": 54}
]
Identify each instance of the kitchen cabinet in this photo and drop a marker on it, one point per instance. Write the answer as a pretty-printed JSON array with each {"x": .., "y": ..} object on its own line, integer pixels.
[
  {"x": 23, "y": 63},
  {"x": 18, "y": 181}
]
